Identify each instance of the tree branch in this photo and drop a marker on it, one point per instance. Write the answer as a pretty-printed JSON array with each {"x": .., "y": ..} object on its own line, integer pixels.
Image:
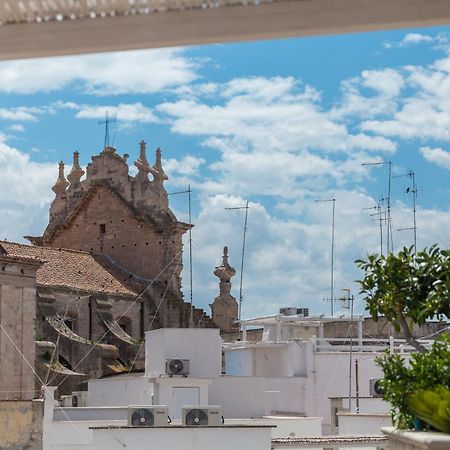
[{"x": 410, "y": 339}]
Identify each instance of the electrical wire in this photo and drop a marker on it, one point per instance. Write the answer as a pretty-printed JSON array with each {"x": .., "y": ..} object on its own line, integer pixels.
[
  {"x": 42, "y": 383},
  {"x": 129, "y": 307},
  {"x": 154, "y": 316}
]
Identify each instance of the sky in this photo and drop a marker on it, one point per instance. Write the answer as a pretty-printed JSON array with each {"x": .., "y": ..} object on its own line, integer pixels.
[{"x": 279, "y": 123}]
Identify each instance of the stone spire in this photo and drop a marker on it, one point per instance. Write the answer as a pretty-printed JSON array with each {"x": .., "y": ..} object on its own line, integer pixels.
[
  {"x": 157, "y": 171},
  {"x": 76, "y": 172},
  {"x": 142, "y": 164},
  {"x": 225, "y": 307},
  {"x": 61, "y": 183}
]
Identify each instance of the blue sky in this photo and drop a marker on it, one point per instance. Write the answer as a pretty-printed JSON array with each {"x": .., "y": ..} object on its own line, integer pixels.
[{"x": 280, "y": 123}]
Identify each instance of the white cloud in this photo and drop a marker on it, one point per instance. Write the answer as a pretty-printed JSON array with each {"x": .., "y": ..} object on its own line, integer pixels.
[
  {"x": 18, "y": 127},
  {"x": 26, "y": 192},
  {"x": 385, "y": 86},
  {"x": 188, "y": 165},
  {"x": 144, "y": 71},
  {"x": 134, "y": 112},
  {"x": 19, "y": 114},
  {"x": 416, "y": 38},
  {"x": 270, "y": 115},
  {"x": 287, "y": 259},
  {"x": 272, "y": 138},
  {"x": 388, "y": 82},
  {"x": 437, "y": 156},
  {"x": 413, "y": 39},
  {"x": 423, "y": 111}
]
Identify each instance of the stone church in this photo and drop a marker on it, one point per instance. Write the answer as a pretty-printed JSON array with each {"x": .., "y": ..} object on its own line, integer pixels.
[{"x": 106, "y": 269}]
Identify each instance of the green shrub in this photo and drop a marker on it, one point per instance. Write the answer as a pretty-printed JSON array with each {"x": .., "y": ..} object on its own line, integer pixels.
[{"x": 402, "y": 381}]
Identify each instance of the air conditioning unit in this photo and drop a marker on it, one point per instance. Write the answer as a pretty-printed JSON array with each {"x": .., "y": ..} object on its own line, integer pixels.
[
  {"x": 294, "y": 311},
  {"x": 79, "y": 398},
  {"x": 288, "y": 311},
  {"x": 375, "y": 387},
  {"x": 148, "y": 416},
  {"x": 198, "y": 416},
  {"x": 65, "y": 400},
  {"x": 177, "y": 367}
]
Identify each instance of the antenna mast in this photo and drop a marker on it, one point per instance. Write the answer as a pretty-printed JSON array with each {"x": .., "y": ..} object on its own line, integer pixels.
[
  {"x": 413, "y": 191},
  {"x": 246, "y": 207},
  {"x": 380, "y": 219},
  {"x": 106, "y": 122},
  {"x": 332, "y": 299},
  {"x": 389, "y": 238}
]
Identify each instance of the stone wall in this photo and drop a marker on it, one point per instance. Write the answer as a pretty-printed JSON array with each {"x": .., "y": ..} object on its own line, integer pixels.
[
  {"x": 107, "y": 226},
  {"x": 17, "y": 333},
  {"x": 21, "y": 424}
]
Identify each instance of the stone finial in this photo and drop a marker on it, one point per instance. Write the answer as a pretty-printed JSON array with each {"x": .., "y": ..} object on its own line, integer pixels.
[
  {"x": 125, "y": 158},
  {"x": 142, "y": 164},
  {"x": 157, "y": 171},
  {"x": 76, "y": 172},
  {"x": 225, "y": 308},
  {"x": 225, "y": 272},
  {"x": 61, "y": 183}
]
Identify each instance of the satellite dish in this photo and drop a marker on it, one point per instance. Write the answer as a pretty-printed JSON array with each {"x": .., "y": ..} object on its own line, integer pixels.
[
  {"x": 196, "y": 417},
  {"x": 142, "y": 418},
  {"x": 176, "y": 366}
]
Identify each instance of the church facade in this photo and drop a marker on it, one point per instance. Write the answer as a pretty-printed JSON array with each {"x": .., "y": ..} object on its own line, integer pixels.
[{"x": 106, "y": 269}]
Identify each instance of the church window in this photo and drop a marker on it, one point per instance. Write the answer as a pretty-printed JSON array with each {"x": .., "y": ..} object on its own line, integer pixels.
[{"x": 102, "y": 228}]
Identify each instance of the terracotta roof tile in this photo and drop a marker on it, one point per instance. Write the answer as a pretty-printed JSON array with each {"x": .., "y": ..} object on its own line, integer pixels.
[{"x": 69, "y": 268}]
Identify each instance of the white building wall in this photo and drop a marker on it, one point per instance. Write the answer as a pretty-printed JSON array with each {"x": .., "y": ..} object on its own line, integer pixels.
[
  {"x": 249, "y": 397},
  {"x": 183, "y": 438},
  {"x": 373, "y": 405},
  {"x": 175, "y": 392},
  {"x": 120, "y": 391},
  {"x": 201, "y": 346},
  {"x": 362, "y": 423},
  {"x": 328, "y": 377},
  {"x": 267, "y": 360}
]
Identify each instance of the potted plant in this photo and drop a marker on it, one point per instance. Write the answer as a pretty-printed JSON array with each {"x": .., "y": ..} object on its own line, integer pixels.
[{"x": 407, "y": 289}]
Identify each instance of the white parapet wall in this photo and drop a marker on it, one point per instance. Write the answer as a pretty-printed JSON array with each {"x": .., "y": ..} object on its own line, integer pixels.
[
  {"x": 416, "y": 440},
  {"x": 362, "y": 423},
  {"x": 238, "y": 437},
  {"x": 254, "y": 397},
  {"x": 285, "y": 426},
  {"x": 120, "y": 390}
]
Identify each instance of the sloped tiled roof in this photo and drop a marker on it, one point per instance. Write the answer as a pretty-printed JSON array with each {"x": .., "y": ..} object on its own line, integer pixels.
[{"x": 69, "y": 269}]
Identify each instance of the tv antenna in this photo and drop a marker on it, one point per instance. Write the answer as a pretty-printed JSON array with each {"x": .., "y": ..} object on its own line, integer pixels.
[
  {"x": 106, "y": 122},
  {"x": 381, "y": 218},
  {"x": 246, "y": 207},
  {"x": 189, "y": 192},
  {"x": 331, "y": 299},
  {"x": 389, "y": 239},
  {"x": 411, "y": 190},
  {"x": 347, "y": 301}
]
